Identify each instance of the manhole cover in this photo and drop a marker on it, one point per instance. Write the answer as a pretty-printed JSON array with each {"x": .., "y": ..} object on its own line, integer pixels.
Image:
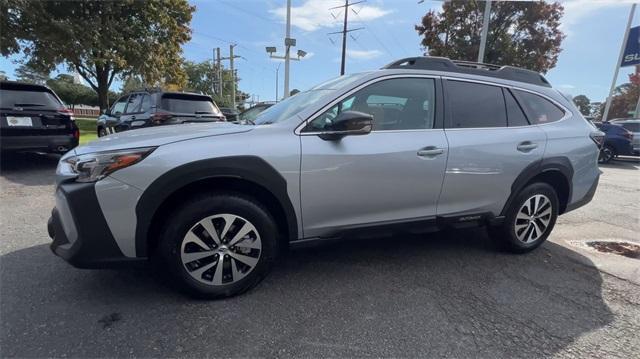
[{"x": 621, "y": 248}]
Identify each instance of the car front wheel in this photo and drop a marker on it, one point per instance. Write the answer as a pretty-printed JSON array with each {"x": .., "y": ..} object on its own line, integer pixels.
[
  {"x": 219, "y": 245},
  {"x": 529, "y": 220}
]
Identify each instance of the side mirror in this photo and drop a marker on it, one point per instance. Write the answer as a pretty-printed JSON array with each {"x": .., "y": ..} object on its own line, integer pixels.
[{"x": 348, "y": 123}]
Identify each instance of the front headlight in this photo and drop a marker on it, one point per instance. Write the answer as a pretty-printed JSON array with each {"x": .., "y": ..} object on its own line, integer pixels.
[{"x": 95, "y": 166}]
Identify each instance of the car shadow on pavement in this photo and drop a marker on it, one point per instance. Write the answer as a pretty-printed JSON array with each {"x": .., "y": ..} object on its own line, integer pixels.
[
  {"x": 628, "y": 163},
  {"x": 29, "y": 168},
  {"x": 449, "y": 294}
]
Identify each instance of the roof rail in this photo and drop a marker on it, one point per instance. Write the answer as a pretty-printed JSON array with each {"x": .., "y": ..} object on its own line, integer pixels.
[{"x": 468, "y": 67}]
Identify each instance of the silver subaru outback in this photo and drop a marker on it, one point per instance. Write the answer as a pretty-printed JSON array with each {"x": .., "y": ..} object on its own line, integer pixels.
[{"x": 421, "y": 144}]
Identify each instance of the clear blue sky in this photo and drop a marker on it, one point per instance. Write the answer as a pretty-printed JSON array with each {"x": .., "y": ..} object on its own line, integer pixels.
[{"x": 594, "y": 32}]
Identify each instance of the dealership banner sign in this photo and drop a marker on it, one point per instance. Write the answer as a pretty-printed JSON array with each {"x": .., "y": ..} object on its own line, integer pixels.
[{"x": 632, "y": 49}]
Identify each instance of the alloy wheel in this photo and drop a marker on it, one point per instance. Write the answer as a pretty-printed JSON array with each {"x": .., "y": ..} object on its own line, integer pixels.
[
  {"x": 532, "y": 220},
  {"x": 606, "y": 154},
  {"x": 221, "y": 249}
]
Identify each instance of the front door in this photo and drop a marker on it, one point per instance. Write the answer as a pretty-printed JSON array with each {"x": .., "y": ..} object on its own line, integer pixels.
[{"x": 394, "y": 174}]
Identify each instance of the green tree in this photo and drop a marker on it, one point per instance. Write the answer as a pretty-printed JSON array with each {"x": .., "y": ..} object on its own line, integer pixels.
[
  {"x": 583, "y": 104},
  {"x": 132, "y": 83},
  {"x": 30, "y": 73},
  {"x": 103, "y": 39},
  {"x": 3, "y": 76},
  {"x": 72, "y": 93},
  {"x": 523, "y": 34},
  {"x": 202, "y": 77}
]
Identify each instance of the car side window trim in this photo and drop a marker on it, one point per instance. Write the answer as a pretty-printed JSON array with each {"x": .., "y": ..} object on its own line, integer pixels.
[
  {"x": 438, "y": 122},
  {"x": 566, "y": 111}
]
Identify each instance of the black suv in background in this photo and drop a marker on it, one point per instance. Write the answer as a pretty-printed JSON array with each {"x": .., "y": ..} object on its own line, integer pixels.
[
  {"x": 152, "y": 108},
  {"x": 32, "y": 118}
]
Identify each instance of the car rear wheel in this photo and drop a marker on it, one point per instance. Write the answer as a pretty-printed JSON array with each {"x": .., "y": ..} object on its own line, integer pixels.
[
  {"x": 607, "y": 153},
  {"x": 529, "y": 220},
  {"x": 219, "y": 245}
]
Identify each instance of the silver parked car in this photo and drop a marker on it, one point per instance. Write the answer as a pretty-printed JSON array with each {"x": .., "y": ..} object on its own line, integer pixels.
[
  {"x": 422, "y": 144},
  {"x": 632, "y": 125}
]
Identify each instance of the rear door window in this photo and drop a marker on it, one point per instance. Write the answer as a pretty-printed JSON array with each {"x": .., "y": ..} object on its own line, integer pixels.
[
  {"x": 146, "y": 103},
  {"x": 28, "y": 99},
  {"x": 179, "y": 103},
  {"x": 474, "y": 105},
  {"x": 539, "y": 110}
]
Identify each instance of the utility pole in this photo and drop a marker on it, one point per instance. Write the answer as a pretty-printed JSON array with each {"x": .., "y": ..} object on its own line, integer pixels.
[
  {"x": 485, "y": 29},
  {"x": 345, "y": 31},
  {"x": 233, "y": 77},
  {"x": 219, "y": 62},
  {"x": 233, "y": 74},
  {"x": 615, "y": 73}
]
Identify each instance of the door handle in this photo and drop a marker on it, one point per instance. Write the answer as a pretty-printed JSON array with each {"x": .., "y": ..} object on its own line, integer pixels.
[
  {"x": 527, "y": 146},
  {"x": 430, "y": 151}
]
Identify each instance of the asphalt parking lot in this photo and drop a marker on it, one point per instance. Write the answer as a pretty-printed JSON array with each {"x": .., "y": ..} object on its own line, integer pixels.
[{"x": 449, "y": 294}]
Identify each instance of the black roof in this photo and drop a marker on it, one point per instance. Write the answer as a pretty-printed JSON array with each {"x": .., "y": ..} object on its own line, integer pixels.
[{"x": 472, "y": 68}]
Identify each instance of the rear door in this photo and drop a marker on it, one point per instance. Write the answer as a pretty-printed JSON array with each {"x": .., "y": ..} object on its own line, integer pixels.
[
  {"x": 31, "y": 110},
  {"x": 490, "y": 143}
]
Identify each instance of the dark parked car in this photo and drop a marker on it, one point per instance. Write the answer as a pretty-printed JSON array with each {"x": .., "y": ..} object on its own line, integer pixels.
[
  {"x": 32, "y": 118},
  {"x": 617, "y": 141},
  {"x": 152, "y": 108},
  {"x": 249, "y": 115},
  {"x": 230, "y": 114}
]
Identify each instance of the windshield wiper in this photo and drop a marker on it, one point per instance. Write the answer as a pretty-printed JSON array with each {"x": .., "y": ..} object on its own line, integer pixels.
[{"x": 28, "y": 104}]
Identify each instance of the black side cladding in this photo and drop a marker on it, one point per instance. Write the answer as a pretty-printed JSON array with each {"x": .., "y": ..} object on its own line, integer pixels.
[
  {"x": 557, "y": 164},
  {"x": 249, "y": 168}
]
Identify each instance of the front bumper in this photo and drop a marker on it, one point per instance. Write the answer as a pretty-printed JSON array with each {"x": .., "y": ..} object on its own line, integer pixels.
[
  {"x": 48, "y": 143},
  {"x": 79, "y": 230}
]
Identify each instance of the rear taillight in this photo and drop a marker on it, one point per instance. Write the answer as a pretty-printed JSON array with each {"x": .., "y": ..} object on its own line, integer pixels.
[
  {"x": 76, "y": 134},
  {"x": 597, "y": 137},
  {"x": 67, "y": 112},
  {"x": 160, "y": 117}
]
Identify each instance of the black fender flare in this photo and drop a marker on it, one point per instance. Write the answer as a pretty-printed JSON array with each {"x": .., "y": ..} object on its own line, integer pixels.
[
  {"x": 557, "y": 164},
  {"x": 249, "y": 168}
]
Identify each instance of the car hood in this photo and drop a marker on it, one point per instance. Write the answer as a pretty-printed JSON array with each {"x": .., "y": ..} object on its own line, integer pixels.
[{"x": 160, "y": 135}]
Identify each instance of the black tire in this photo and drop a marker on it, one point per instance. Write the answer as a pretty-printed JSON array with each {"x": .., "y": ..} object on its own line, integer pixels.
[
  {"x": 197, "y": 209},
  {"x": 506, "y": 234},
  {"x": 102, "y": 132},
  {"x": 607, "y": 153}
]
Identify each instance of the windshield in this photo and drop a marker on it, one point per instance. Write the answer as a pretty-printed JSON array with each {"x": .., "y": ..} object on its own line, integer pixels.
[
  {"x": 298, "y": 102},
  {"x": 28, "y": 98}
]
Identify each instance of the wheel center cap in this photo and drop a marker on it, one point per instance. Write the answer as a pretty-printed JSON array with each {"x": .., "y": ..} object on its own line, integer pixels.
[{"x": 222, "y": 249}]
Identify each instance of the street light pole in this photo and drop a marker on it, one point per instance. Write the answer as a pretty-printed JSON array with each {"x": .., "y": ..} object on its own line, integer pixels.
[
  {"x": 277, "y": 78},
  {"x": 615, "y": 73},
  {"x": 485, "y": 30},
  {"x": 288, "y": 48}
]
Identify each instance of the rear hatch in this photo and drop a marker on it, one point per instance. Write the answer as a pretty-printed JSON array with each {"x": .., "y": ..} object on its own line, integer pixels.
[
  {"x": 184, "y": 108},
  {"x": 32, "y": 110}
]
